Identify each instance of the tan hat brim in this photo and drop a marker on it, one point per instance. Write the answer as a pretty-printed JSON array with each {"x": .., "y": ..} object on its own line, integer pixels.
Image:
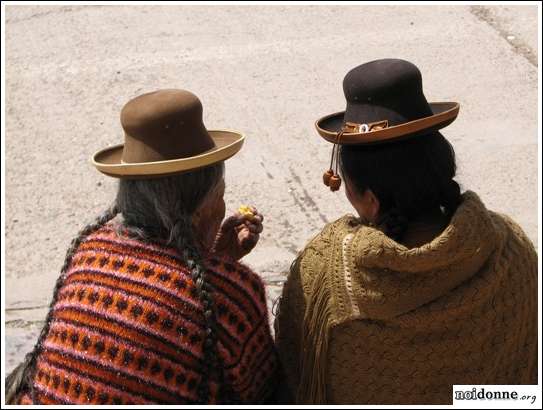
[
  {"x": 444, "y": 113},
  {"x": 108, "y": 161}
]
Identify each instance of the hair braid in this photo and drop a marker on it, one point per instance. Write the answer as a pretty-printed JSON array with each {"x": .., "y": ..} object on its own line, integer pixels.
[
  {"x": 451, "y": 197},
  {"x": 394, "y": 223},
  {"x": 161, "y": 210},
  {"x": 31, "y": 358},
  {"x": 182, "y": 237}
]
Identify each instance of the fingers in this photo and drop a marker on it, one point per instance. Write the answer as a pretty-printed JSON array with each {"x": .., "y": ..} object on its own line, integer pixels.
[
  {"x": 256, "y": 215},
  {"x": 257, "y": 219},
  {"x": 250, "y": 227},
  {"x": 254, "y": 221},
  {"x": 254, "y": 228},
  {"x": 232, "y": 221},
  {"x": 249, "y": 244},
  {"x": 247, "y": 227},
  {"x": 247, "y": 239}
]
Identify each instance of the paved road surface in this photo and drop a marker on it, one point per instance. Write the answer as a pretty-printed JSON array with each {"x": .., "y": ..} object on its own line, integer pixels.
[{"x": 269, "y": 71}]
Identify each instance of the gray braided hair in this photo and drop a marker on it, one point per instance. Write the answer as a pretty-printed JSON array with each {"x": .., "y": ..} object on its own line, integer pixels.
[
  {"x": 158, "y": 208},
  {"x": 162, "y": 208},
  {"x": 24, "y": 374}
]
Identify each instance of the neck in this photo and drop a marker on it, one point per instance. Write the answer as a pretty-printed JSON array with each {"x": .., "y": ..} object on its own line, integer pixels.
[{"x": 425, "y": 228}]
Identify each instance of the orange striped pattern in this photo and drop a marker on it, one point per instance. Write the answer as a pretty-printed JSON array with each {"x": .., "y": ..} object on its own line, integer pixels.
[{"x": 128, "y": 328}]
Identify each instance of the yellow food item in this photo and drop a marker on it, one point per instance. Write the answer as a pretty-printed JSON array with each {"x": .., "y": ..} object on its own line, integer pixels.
[{"x": 245, "y": 210}]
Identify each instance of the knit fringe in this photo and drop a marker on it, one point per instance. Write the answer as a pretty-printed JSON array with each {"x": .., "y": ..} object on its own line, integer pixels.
[
  {"x": 312, "y": 388},
  {"x": 16, "y": 381}
]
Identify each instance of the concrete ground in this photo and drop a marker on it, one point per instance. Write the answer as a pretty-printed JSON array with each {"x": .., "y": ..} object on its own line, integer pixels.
[{"x": 269, "y": 71}]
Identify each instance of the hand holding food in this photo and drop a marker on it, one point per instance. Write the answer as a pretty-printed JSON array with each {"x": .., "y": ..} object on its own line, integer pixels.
[{"x": 239, "y": 233}]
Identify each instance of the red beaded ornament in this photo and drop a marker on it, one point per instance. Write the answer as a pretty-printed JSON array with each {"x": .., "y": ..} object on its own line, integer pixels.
[{"x": 331, "y": 178}]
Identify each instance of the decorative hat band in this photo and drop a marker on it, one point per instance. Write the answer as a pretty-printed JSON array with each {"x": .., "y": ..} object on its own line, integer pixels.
[
  {"x": 331, "y": 177},
  {"x": 350, "y": 127}
]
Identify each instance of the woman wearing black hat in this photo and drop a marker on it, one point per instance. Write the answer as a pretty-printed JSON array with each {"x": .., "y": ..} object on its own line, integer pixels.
[{"x": 425, "y": 288}]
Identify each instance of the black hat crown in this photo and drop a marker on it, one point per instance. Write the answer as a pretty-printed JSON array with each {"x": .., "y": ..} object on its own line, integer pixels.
[{"x": 388, "y": 89}]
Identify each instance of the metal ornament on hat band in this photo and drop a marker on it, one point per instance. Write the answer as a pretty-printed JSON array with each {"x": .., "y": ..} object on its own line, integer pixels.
[
  {"x": 353, "y": 127},
  {"x": 331, "y": 177}
]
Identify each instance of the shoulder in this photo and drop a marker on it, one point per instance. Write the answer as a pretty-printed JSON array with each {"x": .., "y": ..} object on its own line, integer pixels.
[
  {"x": 237, "y": 271},
  {"x": 109, "y": 252},
  {"x": 319, "y": 251},
  {"x": 515, "y": 235},
  {"x": 314, "y": 269},
  {"x": 233, "y": 277},
  {"x": 113, "y": 237},
  {"x": 345, "y": 224}
]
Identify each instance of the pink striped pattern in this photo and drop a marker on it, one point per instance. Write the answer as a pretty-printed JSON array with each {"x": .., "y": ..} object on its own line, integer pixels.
[{"x": 128, "y": 328}]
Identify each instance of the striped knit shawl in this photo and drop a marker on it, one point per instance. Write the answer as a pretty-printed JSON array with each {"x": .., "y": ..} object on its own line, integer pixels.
[
  {"x": 383, "y": 323},
  {"x": 128, "y": 328}
]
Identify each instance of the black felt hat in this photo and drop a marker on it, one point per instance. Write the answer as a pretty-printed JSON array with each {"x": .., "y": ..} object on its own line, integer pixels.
[{"x": 385, "y": 102}]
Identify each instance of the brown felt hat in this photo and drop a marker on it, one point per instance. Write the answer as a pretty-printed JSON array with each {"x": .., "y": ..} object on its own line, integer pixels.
[{"x": 165, "y": 135}]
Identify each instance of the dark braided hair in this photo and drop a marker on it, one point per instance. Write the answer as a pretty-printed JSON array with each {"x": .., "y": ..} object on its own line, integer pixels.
[
  {"x": 29, "y": 365},
  {"x": 161, "y": 209},
  {"x": 411, "y": 178}
]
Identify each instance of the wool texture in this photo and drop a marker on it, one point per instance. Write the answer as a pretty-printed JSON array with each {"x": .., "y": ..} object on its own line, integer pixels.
[
  {"x": 366, "y": 320},
  {"x": 128, "y": 328}
]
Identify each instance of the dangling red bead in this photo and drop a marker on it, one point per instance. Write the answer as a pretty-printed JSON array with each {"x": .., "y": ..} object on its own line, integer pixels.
[
  {"x": 335, "y": 182},
  {"x": 326, "y": 177}
]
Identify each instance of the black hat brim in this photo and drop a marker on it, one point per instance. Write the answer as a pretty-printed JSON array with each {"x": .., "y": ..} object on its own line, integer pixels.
[{"x": 444, "y": 113}]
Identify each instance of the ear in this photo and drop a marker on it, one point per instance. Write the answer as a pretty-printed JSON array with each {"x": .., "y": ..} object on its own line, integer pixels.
[
  {"x": 196, "y": 216},
  {"x": 373, "y": 204}
]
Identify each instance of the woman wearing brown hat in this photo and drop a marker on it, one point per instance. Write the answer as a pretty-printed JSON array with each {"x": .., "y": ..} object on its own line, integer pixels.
[
  {"x": 425, "y": 288},
  {"x": 155, "y": 308}
]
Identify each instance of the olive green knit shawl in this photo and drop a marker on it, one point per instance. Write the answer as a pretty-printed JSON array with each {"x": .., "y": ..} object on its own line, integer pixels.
[{"x": 351, "y": 273}]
